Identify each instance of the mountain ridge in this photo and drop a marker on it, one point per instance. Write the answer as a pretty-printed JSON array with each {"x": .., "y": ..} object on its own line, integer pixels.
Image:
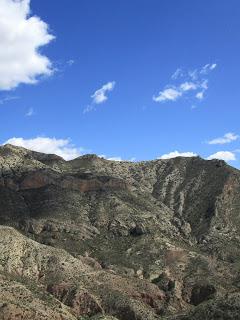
[{"x": 160, "y": 237}]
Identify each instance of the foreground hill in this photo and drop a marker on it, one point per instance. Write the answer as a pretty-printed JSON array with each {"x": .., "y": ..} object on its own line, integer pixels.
[{"x": 92, "y": 238}]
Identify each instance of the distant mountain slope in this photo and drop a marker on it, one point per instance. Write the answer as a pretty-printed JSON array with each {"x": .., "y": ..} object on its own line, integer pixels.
[{"x": 144, "y": 240}]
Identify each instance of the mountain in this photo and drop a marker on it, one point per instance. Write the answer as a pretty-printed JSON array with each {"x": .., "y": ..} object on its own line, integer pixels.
[{"x": 97, "y": 239}]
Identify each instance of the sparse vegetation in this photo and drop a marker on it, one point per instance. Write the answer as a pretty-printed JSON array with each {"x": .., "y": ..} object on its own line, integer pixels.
[{"x": 99, "y": 239}]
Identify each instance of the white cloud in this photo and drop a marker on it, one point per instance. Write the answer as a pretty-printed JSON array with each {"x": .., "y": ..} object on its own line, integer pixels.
[
  {"x": 208, "y": 68},
  {"x": 61, "y": 147},
  {"x": 21, "y": 36},
  {"x": 171, "y": 94},
  {"x": 175, "y": 154},
  {"x": 186, "y": 86},
  {"x": 100, "y": 96},
  {"x": 114, "y": 159},
  {"x": 223, "y": 155},
  {"x": 133, "y": 159},
  {"x": 200, "y": 95},
  {"x": 30, "y": 112},
  {"x": 193, "y": 80},
  {"x": 213, "y": 66},
  {"x": 227, "y": 138},
  {"x": 204, "y": 84}
]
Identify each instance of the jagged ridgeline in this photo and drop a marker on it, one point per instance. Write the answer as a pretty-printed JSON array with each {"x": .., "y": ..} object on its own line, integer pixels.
[{"x": 98, "y": 239}]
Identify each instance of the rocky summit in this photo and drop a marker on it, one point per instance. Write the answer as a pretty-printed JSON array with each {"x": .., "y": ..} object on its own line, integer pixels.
[{"x": 97, "y": 239}]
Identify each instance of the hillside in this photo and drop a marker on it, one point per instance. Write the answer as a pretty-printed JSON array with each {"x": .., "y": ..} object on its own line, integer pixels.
[{"x": 98, "y": 239}]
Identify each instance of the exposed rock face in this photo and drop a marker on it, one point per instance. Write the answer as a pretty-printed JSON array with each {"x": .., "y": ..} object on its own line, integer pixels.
[{"x": 103, "y": 239}]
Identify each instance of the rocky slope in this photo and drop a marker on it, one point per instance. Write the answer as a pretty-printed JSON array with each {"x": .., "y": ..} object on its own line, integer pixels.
[{"x": 97, "y": 239}]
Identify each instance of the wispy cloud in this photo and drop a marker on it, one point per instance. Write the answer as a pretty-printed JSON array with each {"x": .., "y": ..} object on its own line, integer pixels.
[
  {"x": 223, "y": 155},
  {"x": 70, "y": 62},
  {"x": 175, "y": 154},
  {"x": 89, "y": 108},
  {"x": 30, "y": 112},
  {"x": 227, "y": 138},
  {"x": 193, "y": 84},
  {"x": 171, "y": 94},
  {"x": 208, "y": 68},
  {"x": 177, "y": 74},
  {"x": 186, "y": 86},
  {"x": 8, "y": 99},
  {"x": 100, "y": 96}
]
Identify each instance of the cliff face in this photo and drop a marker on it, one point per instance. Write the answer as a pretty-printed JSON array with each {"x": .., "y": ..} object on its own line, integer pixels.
[{"x": 147, "y": 240}]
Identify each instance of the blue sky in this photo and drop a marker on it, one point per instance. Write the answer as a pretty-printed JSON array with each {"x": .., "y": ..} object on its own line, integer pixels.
[{"x": 137, "y": 79}]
